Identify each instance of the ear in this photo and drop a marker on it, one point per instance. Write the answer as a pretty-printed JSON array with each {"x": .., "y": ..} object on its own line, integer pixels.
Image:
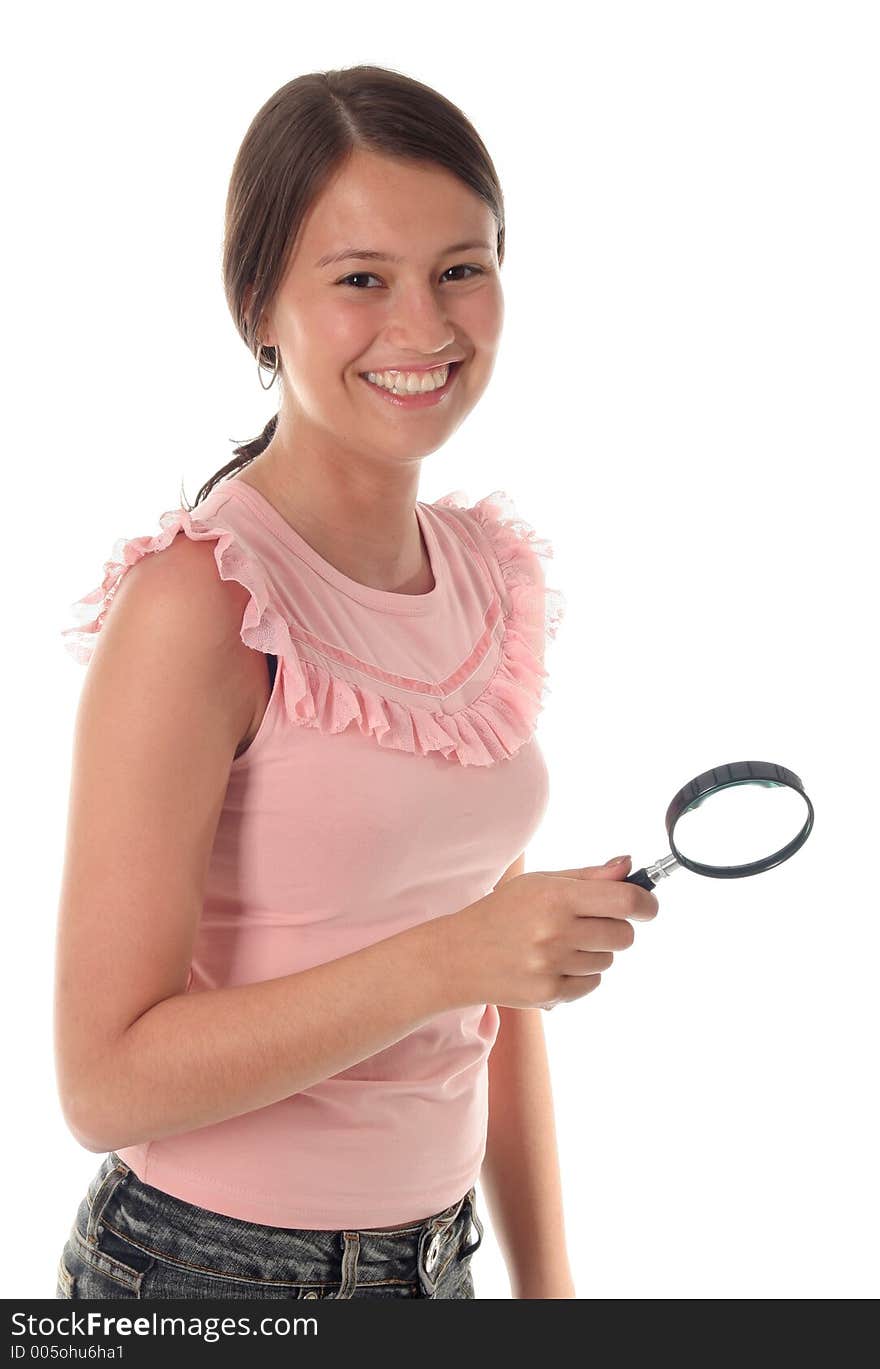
[{"x": 246, "y": 305}]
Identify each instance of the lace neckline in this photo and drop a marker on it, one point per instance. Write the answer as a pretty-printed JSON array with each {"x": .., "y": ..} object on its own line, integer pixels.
[
  {"x": 387, "y": 601},
  {"x": 489, "y": 721}
]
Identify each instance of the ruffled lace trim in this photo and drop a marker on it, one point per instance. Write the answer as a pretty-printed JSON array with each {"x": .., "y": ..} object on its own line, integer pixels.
[
  {"x": 493, "y": 726},
  {"x": 262, "y": 626},
  {"x": 516, "y": 545}
]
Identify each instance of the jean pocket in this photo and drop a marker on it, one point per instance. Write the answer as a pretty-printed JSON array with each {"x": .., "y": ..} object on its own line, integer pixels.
[
  {"x": 458, "y": 1282},
  {"x": 99, "y": 1261},
  {"x": 95, "y": 1271},
  {"x": 64, "y": 1280}
]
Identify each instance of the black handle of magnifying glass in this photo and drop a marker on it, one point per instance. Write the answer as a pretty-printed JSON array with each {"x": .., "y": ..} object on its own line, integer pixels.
[{"x": 640, "y": 877}]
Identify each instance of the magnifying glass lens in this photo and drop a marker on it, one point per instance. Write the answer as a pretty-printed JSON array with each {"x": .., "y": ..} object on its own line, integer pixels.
[{"x": 740, "y": 823}]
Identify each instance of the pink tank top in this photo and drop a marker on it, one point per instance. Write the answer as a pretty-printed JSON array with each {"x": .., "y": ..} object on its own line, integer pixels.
[{"x": 394, "y": 778}]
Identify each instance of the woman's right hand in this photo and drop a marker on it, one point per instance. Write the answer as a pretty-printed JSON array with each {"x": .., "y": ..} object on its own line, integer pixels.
[{"x": 545, "y": 937}]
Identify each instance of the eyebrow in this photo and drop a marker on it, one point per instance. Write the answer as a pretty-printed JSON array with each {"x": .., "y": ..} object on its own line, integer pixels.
[{"x": 365, "y": 254}]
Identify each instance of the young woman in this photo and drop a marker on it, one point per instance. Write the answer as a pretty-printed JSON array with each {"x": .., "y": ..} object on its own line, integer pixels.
[{"x": 299, "y": 964}]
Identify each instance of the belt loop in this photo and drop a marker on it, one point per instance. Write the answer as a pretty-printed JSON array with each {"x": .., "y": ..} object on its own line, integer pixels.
[
  {"x": 475, "y": 1218},
  {"x": 349, "y": 1264},
  {"x": 104, "y": 1192}
]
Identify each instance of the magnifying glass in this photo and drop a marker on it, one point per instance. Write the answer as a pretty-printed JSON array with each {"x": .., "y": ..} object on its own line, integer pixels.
[{"x": 734, "y": 813}]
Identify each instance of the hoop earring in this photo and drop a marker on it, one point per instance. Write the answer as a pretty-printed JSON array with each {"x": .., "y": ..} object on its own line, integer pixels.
[{"x": 275, "y": 369}]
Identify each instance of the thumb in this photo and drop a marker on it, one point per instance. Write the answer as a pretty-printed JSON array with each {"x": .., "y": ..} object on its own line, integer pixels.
[{"x": 616, "y": 868}]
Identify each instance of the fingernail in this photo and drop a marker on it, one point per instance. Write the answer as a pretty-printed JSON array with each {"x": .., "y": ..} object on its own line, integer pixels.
[{"x": 618, "y": 860}]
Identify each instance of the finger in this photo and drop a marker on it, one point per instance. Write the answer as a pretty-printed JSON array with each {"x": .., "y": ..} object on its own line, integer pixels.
[
  {"x": 577, "y": 986},
  {"x": 603, "y": 934},
  {"x": 587, "y": 962},
  {"x": 617, "y": 899},
  {"x": 639, "y": 903}
]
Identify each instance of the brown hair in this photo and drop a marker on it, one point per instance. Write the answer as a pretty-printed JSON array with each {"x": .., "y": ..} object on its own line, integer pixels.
[{"x": 294, "y": 145}]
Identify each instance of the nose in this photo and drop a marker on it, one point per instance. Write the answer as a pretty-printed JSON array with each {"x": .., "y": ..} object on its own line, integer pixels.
[{"x": 418, "y": 324}]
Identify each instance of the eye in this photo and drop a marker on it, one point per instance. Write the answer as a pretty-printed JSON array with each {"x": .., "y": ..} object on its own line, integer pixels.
[
  {"x": 365, "y": 275},
  {"x": 478, "y": 270},
  {"x": 358, "y": 275}
]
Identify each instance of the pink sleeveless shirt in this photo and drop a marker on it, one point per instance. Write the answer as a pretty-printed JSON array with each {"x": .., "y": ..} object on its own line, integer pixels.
[{"x": 394, "y": 778}]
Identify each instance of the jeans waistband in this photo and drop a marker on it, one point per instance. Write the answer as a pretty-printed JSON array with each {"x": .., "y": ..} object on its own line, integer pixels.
[{"x": 171, "y": 1229}]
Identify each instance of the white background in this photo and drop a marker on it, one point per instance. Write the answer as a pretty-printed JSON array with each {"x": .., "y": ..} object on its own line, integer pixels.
[{"x": 685, "y": 403}]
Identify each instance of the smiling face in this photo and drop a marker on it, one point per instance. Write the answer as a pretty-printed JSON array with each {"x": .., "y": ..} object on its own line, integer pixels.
[{"x": 334, "y": 321}]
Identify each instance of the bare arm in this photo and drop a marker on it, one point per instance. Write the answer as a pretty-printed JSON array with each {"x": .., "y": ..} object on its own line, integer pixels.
[
  {"x": 520, "y": 1171},
  {"x": 170, "y": 693},
  {"x": 200, "y": 1058}
]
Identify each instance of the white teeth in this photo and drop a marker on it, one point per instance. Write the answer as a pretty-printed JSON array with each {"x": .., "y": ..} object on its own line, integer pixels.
[{"x": 409, "y": 382}]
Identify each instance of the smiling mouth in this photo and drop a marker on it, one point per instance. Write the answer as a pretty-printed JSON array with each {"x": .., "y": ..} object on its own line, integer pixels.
[
  {"x": 401, "y": 389},
  {"x": 414, "y": 399}
]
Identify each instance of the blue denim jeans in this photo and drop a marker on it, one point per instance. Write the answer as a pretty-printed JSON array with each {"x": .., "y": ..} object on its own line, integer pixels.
[{"x": 130, "y": 1240}]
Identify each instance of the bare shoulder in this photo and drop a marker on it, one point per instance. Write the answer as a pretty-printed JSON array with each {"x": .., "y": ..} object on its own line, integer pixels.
[
  {"x": 177, "y": 598},
  {"x": 184, "y": 579}
]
